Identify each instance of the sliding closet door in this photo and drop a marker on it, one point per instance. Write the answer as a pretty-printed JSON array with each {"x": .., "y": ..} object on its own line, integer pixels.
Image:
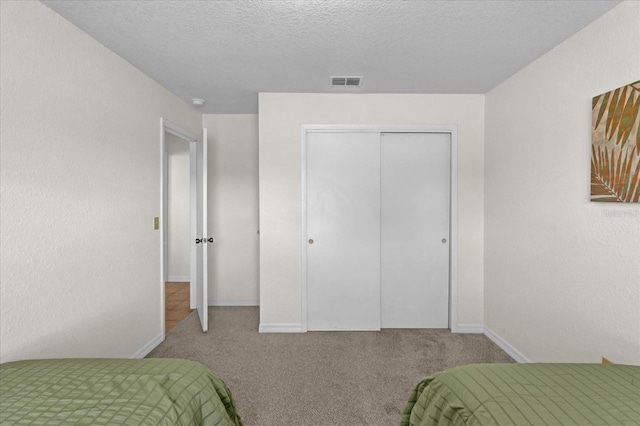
[
  {"x": 343, "y": 230},
  {"x": 415, "y": 194}
]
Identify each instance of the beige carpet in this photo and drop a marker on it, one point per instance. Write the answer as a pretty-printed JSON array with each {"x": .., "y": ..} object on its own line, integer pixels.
[{"x": 320, "y": 378}]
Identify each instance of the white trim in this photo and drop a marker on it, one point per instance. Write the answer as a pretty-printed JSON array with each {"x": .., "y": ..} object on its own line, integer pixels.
[
  {"x": 176, "y": 130},
  {"x": 193, "y": 212},
  {"x": 146, "y": 349},
  {"x": 178, "y": 278},
  {"x": 453, "y": 238},
  {"x": 163, "y": 220},
  {"x": 469, "y": 329},
  {"x": 505, "y": 346},
  {"x": 399, "y": 128},
  {"x": 246, "y": 302},
  {"x": 452, "y": 129},
  {"x": 280, "y": 328},
  {"x": 303, "y": 212}
]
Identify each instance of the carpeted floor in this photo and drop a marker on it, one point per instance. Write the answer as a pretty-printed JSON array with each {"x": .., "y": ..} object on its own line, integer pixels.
[{"x": 320, "y": 378}]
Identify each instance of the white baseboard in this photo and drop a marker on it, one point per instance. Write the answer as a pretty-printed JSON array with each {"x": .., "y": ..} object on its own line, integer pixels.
[
  {"x": 469, "y": 329},
  {"x": 249, "y": 302},
  {"x": 280, "y": 328},
  {"x": 505, "y": 346},
  {"x": 144, "y": 351},
  {"x": 179, "y": 279}
]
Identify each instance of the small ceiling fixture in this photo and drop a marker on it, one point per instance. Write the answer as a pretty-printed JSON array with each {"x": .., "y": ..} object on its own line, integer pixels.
[
  {"x": 197, "y": 101},
  {"x": 345, "y": 81}
]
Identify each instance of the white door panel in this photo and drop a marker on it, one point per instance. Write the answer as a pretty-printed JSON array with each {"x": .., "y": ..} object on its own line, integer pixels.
[
  {"x": 415, "y": 203},
  {"x": 343, "y": 221},
  {"x": 199, "y": 226}
]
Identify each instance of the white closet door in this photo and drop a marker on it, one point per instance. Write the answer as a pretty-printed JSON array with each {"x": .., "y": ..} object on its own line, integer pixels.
[
  {"x": 343, "y": 231},
  {"x": 415, "y": 194}
]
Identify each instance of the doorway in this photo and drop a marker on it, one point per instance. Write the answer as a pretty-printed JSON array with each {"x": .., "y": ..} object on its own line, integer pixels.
[
  {"x": 198, "y": 238},
  {"x": 378, "y": 228},
  {"x": 178, "y": 301}
]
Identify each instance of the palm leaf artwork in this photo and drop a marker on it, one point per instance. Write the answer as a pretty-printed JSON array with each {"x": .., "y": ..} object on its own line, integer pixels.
[{"x": 615, "y": 154}]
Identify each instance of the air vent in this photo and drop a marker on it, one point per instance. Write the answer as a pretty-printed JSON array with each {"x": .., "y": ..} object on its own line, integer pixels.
[{"x": 340, "y": 81}]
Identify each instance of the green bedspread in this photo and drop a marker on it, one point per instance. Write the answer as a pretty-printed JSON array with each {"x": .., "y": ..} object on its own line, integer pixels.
[
  {"x": 113, "y": 392},
  {"x": 527, "y": 394}
]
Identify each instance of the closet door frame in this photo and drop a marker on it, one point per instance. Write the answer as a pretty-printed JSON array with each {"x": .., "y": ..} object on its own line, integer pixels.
[{"x": 451, "y": 129}]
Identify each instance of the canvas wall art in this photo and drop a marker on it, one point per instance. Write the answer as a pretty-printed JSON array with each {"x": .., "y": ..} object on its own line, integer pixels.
[{"x": 615, "y": 150}]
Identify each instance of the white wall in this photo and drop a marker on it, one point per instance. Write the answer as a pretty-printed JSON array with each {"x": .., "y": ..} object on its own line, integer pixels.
[
  {"x": 178, "y": 232},
  {"x": 80, "y": 184},
  {"x": 562, "y": 274},
  {"x": 233, "y": 208},
  {"x": 280, "y": 118}
]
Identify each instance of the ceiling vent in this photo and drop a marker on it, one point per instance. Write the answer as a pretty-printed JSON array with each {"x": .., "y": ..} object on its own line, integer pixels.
[{"x": 344, "y": 81}]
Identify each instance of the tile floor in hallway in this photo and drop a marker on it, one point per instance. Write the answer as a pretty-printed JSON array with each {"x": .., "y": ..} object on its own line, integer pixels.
[{"x": 176, "y": 303}]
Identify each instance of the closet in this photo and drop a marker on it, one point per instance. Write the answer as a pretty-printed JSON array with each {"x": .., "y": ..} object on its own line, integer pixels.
[{"x": 377, "y": 229}]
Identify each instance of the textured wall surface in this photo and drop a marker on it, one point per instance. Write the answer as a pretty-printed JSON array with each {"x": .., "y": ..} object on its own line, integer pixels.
[
  {"x": 233, "y": 208},
  {"x": 178, "y": 218},
  {"x": 281, "y": 116},
  {"x": 562, "y": 275},
  {"x": 80, "y": 185}
]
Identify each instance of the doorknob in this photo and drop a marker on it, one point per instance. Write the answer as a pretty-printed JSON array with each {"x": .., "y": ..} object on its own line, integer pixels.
[
  {"x": 204, "y": 240},
  {"x": 310, "y": 241},
  {"x": 444, "y": 240}
]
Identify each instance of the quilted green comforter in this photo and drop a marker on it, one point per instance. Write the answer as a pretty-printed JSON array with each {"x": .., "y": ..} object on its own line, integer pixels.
[
  {"x": 527, "y": 394},
  {"x": 113, "y": 392}
]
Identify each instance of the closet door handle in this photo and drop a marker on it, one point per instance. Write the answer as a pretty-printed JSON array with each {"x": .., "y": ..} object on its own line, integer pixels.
[{"x": 310, "y": 241}]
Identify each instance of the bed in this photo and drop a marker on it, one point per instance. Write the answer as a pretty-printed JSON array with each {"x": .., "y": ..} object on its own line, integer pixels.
[
  {"x": 527, "y": 394},
  {"x": 114, "y": 392}
]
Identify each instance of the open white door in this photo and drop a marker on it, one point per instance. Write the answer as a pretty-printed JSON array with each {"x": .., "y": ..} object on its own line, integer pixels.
[
  {"x": 199, "y": 236},
  {"x": 197, "y": 219}
]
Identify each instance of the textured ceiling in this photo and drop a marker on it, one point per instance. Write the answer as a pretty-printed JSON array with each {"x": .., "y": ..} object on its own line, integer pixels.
[{"x": 227, "y": 51}]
